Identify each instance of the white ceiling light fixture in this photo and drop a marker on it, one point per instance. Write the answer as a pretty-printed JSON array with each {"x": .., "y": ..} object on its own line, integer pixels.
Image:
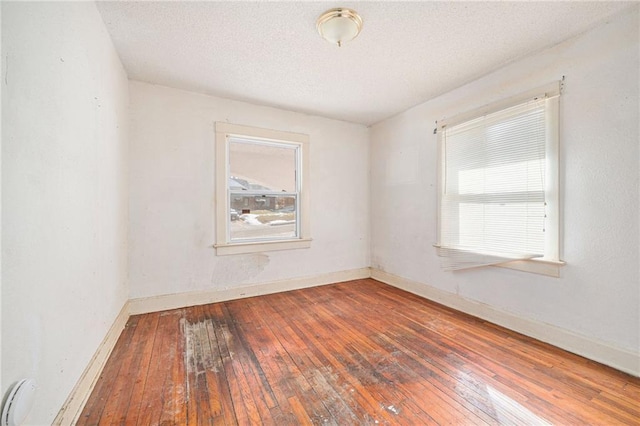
[{"x": 339, "y": 25}]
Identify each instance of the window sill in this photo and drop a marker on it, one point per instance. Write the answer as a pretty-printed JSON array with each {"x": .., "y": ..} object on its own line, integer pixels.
[
  {"x": 254, "y": 247},
  {"x": 550, "y": 268}
]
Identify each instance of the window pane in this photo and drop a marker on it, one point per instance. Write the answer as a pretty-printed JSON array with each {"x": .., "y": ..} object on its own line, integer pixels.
[
  {"x": 255, "y": 217},
  {"x": 262, "y": 166}
]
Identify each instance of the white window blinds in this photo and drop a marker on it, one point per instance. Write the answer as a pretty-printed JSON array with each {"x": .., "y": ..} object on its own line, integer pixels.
[{"x": 494, "y": 189}]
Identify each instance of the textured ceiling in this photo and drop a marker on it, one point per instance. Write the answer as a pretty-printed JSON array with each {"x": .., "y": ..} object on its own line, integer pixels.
[{"x": 270, "y": 52}]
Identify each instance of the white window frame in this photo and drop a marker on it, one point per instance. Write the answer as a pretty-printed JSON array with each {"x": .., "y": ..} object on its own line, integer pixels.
[
  {"x": 225, "y": 132},
  {"x": 551, "y": 262}
]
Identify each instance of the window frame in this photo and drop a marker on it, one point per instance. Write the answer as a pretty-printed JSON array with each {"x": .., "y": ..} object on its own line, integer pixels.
[
  {"x": 226, "y": 131},
  {"x": 551, "y": 262}
]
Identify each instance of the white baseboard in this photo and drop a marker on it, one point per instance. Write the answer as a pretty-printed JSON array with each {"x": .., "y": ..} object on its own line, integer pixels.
[
  {"x": 619, "y": 359},
  {"x": 181, "y": 300},
  {"x": 70, "y": 411}
]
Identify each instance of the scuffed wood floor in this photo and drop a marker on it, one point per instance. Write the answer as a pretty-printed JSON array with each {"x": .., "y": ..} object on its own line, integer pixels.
[{"x": 354, "y": 353}]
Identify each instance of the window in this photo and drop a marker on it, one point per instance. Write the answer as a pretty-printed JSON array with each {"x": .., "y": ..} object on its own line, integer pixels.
[
  {"x": 498, "y": 199},
  {"x": 262, "y": 195}
]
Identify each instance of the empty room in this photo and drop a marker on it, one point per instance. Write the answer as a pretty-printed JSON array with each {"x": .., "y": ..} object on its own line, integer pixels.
[{"x": 287, "y": 213}]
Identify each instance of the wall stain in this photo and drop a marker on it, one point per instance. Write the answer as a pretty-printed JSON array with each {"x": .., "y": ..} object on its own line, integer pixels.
[{"x": 231, "y": 270}]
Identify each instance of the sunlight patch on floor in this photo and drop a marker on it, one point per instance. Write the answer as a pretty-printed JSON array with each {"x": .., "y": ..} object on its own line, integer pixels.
[{"x": 511, "y": 412}]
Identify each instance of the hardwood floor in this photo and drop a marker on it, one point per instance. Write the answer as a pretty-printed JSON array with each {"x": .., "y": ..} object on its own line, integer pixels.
[{"x": 359, "y": 352}]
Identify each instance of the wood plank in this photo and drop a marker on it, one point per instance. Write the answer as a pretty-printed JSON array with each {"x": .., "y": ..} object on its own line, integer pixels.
[
  {"x": 359, "y": 352},
  {"x": 94, "y": 407},
  {"x": 156, "y": 403},
  {"x": 444, "y": 347},
  {"x": 117, "y": 403},
  {"x": 319, "y": 336},
  {"x": 201, "y": 360},
  {"x": 364, "y": 350}
]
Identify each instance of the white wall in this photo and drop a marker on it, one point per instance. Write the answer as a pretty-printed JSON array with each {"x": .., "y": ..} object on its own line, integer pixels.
[
  {"x": 2, "y": 387},
  {"x": 171, "y": 198},
  {"x": 598, "y": 293},
  {"x": 64, "y": 218}
]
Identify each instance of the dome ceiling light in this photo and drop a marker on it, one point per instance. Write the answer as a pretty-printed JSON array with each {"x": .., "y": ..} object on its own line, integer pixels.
[{"x": 339, "y": 25}]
